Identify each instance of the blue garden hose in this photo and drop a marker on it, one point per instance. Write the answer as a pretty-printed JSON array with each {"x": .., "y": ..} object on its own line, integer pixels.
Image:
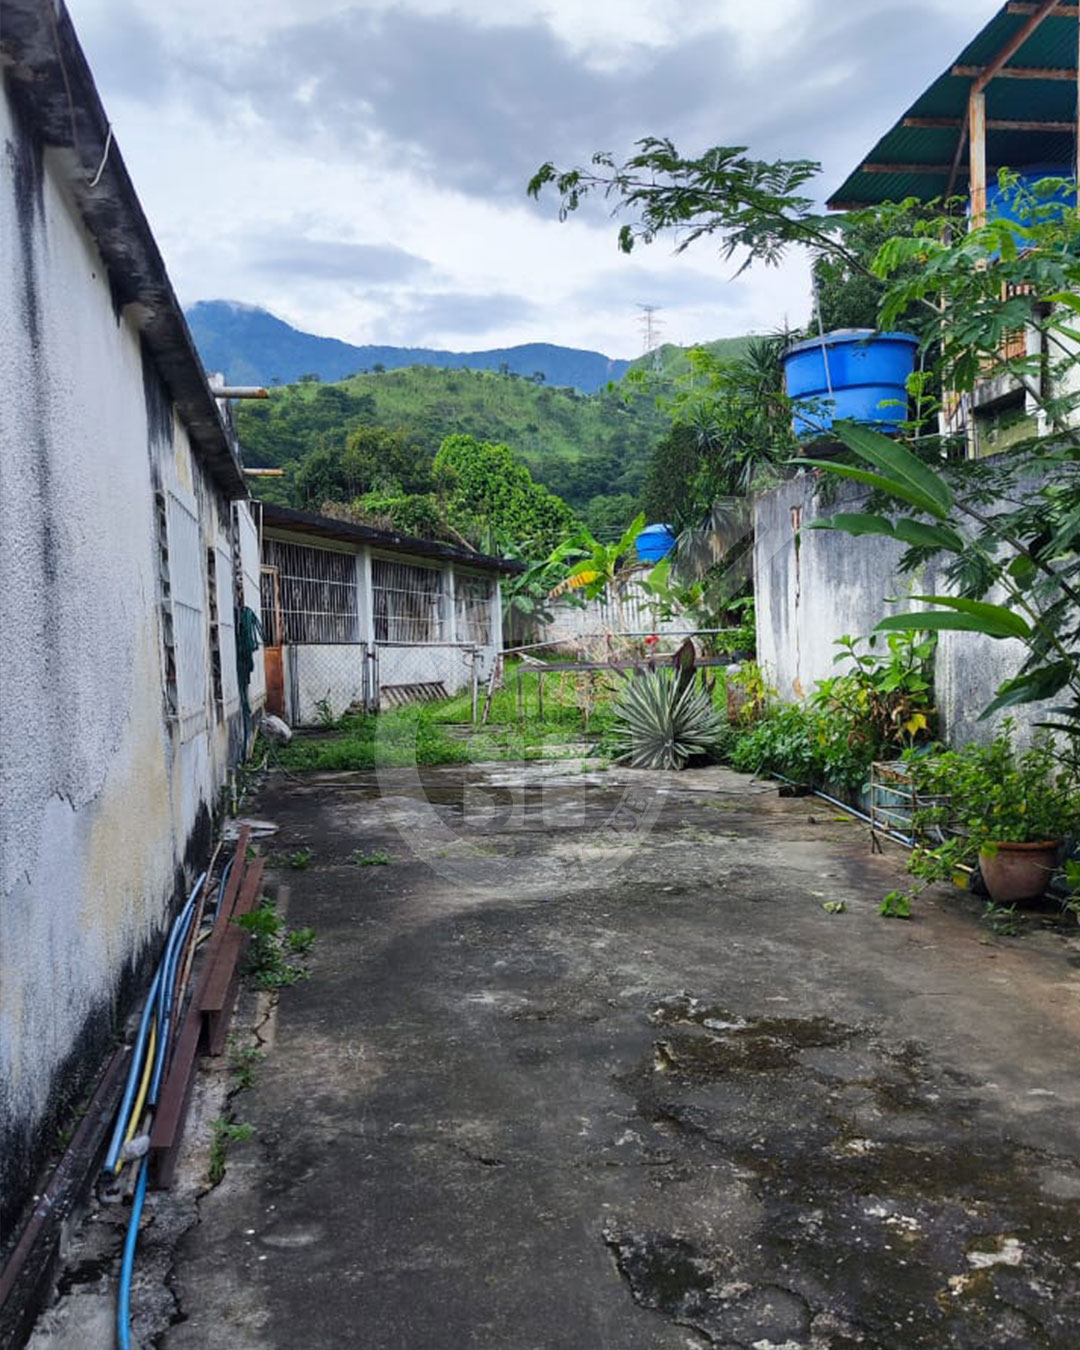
[
  {"x": 112, "y": 1158},
  {"x": 159, "y": 999},
  {"x": 174, "y": 950},
  {"x": 127, "y": 1265}
]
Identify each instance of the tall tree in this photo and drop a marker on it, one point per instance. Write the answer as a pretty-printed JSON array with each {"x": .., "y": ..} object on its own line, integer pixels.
[{"x": 491, "y": 497}]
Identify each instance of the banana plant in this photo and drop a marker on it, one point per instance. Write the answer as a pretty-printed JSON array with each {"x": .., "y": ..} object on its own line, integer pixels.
[{"x": 593, "y": 567}]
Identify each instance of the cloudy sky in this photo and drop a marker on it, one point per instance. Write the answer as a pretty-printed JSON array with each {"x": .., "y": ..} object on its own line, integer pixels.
[{"x": 360, "y": 168}]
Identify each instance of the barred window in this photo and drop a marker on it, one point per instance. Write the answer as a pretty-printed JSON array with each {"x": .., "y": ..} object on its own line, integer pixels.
[
  {"x": 318, "y": 593},
  {"x": 408, "y": 602},
  {"x": 472, "y": 602}
]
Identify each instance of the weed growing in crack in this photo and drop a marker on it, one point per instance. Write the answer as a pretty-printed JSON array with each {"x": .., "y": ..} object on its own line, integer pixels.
[
  {"x": 300, "y": 859},
  {"x": 376, "y": 859},
  {"x": 272, "y": 944},
  {"x": 244, "y": 1064},
  {"x": 225, "y": 1132},
  {"x": 300, "y": 940}
]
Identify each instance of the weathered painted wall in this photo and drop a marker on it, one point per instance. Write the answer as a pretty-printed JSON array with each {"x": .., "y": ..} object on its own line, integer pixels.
[
  {"x": 813, "y": 586},
  {"x": 102, "y": 798}
]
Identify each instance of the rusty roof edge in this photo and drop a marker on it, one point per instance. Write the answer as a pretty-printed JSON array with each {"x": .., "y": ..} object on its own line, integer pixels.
[{"x": 47, "y": 72}]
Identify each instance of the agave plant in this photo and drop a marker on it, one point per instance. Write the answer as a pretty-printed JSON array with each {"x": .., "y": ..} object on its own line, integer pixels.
[{"x": 663, "y": 721}]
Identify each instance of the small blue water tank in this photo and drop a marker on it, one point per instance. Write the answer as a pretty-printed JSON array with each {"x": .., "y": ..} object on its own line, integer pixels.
[
  {"x": 867, "y": 372},
  {"x": 654, "y": 543}
]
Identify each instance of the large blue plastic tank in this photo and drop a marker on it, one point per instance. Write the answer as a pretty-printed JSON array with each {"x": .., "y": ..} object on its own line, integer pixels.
[
  {"x": 867, "y": 371},
  {"x": 1001, "y": 202},
  {"x": 654, "y": 542}
]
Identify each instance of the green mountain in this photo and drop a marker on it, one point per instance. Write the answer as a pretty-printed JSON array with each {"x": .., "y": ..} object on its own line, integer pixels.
[
  {"x": 580, "y": 446},
  {"x": 668, "y": 361},
  {"x": 250, "y": 345}
]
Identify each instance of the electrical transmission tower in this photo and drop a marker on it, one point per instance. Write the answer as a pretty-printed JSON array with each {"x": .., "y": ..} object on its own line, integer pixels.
[{"x": 650, "y": 328}]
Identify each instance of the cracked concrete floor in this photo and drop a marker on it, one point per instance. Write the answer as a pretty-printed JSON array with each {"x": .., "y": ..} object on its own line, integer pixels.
[{"x": 587, "y": 1064}]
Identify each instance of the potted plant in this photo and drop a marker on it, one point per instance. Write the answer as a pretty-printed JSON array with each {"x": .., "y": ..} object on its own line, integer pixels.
[{"x": 1010, "y": 809}]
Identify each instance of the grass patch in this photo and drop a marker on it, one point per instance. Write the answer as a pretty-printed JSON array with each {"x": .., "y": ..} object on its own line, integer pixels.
[
  {"x": 396, "y": 738},
  {"x": 578, "y": 706}
]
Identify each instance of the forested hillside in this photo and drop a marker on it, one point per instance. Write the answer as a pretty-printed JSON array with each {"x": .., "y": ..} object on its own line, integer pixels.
[{"x": 580, "y": 446}]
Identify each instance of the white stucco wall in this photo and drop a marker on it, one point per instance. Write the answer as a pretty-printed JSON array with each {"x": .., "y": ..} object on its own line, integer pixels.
[
  {"x": 449, "y": 666},
  {"x": 813, "y": 586},
  {"x": 100, "y": 796}
]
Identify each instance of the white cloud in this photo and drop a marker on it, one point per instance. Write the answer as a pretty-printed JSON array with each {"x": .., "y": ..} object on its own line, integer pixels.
[{"x": 285, "y": 156}]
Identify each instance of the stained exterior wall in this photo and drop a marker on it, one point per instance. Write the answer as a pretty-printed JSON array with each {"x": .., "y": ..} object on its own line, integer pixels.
[
  {"x": 103, "y": 799},
  {"x": 813, "y": 586}
]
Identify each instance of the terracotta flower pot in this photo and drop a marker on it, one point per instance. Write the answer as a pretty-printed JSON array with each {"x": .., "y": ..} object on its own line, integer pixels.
[{"x": 1017, "y": 872}]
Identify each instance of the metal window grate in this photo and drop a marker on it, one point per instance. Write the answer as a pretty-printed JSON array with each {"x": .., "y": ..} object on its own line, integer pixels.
[
  {"x": 318, "y": 593},
  {"x": 408, "y": 602},
  {"x": 472, "y": 604},
  {"x": 187, "y": 576},
  {"x": 215, "y": 630},
  {"x": 168, "y": 640}
]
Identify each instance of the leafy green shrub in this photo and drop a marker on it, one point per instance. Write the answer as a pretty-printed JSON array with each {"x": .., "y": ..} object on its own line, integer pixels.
[
  {"x": 807, "y": 744},
  {"x": 663, "y": 721},
  {"x": 872, "y": 711},
  {"x": 999, "y": 794}
]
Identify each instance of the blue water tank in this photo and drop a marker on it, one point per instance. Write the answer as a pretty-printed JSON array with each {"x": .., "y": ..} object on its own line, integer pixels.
[
  {"x": 654, "y": 542},
  {"x": 866, "y": 370},
  {"x": 1002, "y": 204}
]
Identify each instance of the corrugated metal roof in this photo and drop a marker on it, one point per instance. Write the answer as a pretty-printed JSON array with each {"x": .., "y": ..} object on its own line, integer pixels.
[
  {"x": 1052, "y": 46},
  {"x": 328, "y": 527}
]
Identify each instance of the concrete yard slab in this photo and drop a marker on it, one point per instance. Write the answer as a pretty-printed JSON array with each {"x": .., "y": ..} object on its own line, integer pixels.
[{"x": 587, "y": 1064}]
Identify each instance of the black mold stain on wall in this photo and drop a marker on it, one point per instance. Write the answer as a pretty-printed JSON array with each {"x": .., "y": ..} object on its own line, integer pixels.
[
  {"x": 25, "y": 161},
  {"x": 27, "y": 1148},
  {"x": 159, "y": 408}
]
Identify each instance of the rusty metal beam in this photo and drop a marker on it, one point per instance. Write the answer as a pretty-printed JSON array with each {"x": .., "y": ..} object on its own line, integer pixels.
[
  {"x": 1013, "y": 45},
  {"x": 992, "y": 124},
  {"x": 1028, "y": 7},
  {"x": 1015, "y": 73}
]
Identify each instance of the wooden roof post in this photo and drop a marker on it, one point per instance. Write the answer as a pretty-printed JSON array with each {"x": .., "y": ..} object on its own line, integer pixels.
[{"x": 977, "y": 156}]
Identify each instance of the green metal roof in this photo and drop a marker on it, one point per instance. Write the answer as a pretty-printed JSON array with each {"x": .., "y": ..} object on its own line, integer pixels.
[{"x": 1051, "y": 46}]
